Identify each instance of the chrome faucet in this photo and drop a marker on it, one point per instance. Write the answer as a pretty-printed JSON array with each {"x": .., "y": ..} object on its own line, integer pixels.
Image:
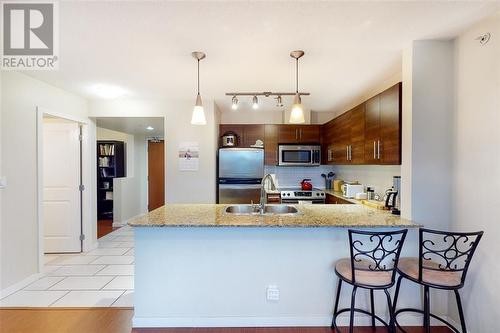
[{"x": 263, "y": 199}]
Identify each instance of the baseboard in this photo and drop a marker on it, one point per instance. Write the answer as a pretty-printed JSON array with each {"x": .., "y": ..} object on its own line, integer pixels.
[
  {"x": 124, "y": 223},
  {"x": 20, "y": 285},
  {"x": 318, "y": 321}
]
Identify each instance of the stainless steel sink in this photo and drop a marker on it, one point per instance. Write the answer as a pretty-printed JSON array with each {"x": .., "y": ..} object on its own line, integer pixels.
[
  {"x": 242, "y": 209},
  {"x": 254, "y": 210},
  {"x": 280, "y": 209}
]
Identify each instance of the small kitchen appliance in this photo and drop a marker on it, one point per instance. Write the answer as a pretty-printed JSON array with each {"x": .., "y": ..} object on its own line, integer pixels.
[
  {"x": 299, "y": 155},
  {"x": 350, "y": 190},
  {"x": 306, "y": 185},
  {"x": 229, "y": 139},
  {"x": 393, "y": 196}
]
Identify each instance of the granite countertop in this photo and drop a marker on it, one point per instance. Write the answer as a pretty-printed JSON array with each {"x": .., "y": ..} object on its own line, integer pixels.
[{"x": 213, "y": 215}]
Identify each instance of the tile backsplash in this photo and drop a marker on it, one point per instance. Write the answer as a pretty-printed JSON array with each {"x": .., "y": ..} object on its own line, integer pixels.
[
  {"x": 292, "y": 176},
  {"x": 378, "y": 176}
]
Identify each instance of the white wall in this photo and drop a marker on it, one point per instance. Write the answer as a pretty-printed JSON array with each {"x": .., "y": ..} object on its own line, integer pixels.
[
  {"x": 130, "y": 194},
  {"x": 128, "y": 139},
  {"x": 19, "y": 231},
  {"x": 180, "y": 186},
  {"x": 246, "y": 117},
  {"x": 430, "y": 151},
  {"x": 476, "y": 177}
]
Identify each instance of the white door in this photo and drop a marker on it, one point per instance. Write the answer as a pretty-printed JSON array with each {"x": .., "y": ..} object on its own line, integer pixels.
[{"x": 61, "y": 180}]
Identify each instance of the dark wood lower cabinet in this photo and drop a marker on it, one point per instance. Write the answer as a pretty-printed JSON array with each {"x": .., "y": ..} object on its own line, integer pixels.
[{"x": 331, "y": 199}]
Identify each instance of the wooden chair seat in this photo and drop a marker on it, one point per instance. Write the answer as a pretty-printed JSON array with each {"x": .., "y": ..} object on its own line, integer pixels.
[
  {"x": 363, "y": 276},
  {"x": 408, "y": 267}
]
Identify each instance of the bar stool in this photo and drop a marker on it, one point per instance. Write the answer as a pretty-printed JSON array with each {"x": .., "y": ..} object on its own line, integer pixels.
[
  {"x": 372, "y": 266},
  {"x": 443, "y": 261}
]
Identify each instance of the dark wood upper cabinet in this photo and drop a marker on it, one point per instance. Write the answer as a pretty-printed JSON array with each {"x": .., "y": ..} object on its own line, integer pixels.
[
  {"x": 357, "y": 135},
  {"x": 271, "y": 144},
  {"x": 341, "y": 139},
  {"x": 247, "y": 134},
  {"x": 370, "y": 133},
  {"x": 294, "y": 134},
  {"x": 252, "y": 133},
  {"x": 372, "y": 129},
  {"x": 390, "y": 125}
]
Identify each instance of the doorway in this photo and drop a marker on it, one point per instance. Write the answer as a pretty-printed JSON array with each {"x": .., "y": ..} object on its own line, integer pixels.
[
  {"x": 61, "y": 185},
  {"x": 156, "y": 174},
  {"x": 122, "y": 145}
]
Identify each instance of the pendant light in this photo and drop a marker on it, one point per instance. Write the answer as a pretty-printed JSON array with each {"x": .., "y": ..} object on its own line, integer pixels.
[
  {"x": 198, "y": 117},
  {"x": 297, "y": 113}
]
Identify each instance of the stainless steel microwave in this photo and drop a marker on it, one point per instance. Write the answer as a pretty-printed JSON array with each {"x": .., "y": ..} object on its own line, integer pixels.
[{"x": 298, "y": 155}]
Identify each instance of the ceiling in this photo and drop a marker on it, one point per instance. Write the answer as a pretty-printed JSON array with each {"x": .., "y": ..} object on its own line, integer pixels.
[
  {"x": 133, "y": 125},
  {"x": 145, "y": 47}
]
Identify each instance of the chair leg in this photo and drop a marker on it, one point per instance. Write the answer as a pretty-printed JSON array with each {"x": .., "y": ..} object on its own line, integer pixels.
[
  {"x": 392, "y": 327},
  {"x": 396, "y": 294},
  {"x": 427, "y": 310},
  {"x": 353, "y": 305},
  {"x": 337, "y": 299},
  {"x": 372, "y": 303},
  {"x": 460, "y": 311}
]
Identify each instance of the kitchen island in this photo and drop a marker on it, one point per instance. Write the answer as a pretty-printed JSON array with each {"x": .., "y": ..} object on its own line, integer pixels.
[{"x": 196, "y": 265}]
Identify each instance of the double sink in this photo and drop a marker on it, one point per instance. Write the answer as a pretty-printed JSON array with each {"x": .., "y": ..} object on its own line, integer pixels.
[{"x": 256, "y": 210}]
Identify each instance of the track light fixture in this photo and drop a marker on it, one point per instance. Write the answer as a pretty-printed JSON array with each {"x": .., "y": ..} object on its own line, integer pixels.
[
  {"x": 297, "y": 112},
  {"x": 279, "y": 102},
  {"x": 234, "y": 103},
  {"x": 255, "y": 103}
]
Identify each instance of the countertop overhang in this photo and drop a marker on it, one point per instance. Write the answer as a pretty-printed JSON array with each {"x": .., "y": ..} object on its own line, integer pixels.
[{"x": 309, "y": 216}]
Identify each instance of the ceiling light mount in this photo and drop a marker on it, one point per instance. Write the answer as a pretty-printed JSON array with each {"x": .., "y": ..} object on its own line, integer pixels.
[{"x": 297, "y": 54}]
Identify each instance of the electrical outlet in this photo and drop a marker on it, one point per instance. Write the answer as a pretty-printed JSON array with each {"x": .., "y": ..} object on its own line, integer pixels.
[{"x": 273, "y": 293}]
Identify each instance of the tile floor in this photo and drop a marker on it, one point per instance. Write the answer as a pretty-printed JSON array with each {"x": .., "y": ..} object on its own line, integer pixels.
[{"x": 101, "y": 277}]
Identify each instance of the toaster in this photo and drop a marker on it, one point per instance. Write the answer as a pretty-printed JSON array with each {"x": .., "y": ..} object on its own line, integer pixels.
[{"x": 350, "y": 190}]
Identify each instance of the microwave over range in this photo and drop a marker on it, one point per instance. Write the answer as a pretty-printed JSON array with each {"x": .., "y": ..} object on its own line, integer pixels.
[{"x": 299, "y": 155}]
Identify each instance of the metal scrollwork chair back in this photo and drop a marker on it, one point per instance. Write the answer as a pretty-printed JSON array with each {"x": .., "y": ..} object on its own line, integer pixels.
[
  {"x": 447, "y": 251},
  {"x": 375, "y": 251}
]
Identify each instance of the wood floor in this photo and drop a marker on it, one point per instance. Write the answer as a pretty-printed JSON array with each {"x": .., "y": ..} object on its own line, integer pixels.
[
  {"x": 118, "y": 320},
  {"x": 104, "y": 227}
]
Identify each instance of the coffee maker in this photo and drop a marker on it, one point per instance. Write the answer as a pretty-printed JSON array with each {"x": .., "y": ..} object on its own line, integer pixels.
[{"x": 393, "y": 196}]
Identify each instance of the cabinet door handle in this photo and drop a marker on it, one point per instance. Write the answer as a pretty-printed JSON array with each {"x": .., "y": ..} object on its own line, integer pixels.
[
  {"x": 347, "y": 152},
  {"x": 374, "y": 150},
  {"x": 378, "y": 148}
]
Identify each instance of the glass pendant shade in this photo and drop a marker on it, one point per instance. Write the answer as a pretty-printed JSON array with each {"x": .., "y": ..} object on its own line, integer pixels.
[
  {"x": 297, "y": 113},
  {"x": 198, "y": 117}
]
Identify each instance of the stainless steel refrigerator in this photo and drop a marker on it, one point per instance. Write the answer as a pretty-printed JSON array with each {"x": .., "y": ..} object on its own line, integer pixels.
[{"x": 240, "y": 173}]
